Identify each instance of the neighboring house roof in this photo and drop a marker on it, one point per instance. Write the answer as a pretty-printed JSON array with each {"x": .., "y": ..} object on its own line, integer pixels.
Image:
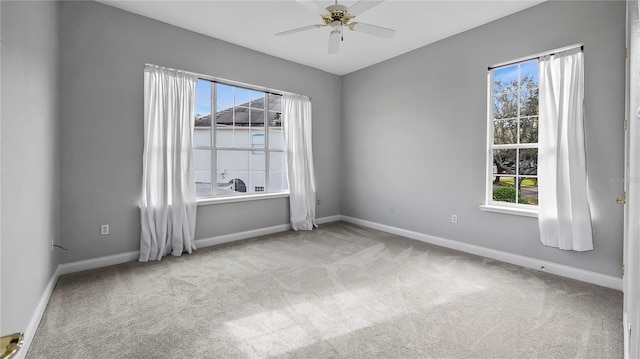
[{"x": 254, "y": 108}]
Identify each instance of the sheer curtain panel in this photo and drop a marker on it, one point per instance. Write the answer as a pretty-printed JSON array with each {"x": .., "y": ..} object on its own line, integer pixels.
[
  {"x": 564, "y": 217},
  {"x": 168, "y": 205},
  {"x": 302, "y": 185}
]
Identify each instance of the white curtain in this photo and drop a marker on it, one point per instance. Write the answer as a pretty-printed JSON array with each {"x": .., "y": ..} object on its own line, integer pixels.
[
  {"x": 564, "y": 217},
  {"x": 302, "y": 185},
  {"x": 168, "y": 205}
]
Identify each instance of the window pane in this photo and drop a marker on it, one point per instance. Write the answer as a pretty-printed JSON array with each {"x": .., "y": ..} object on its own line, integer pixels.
[
  {"x": 257, "y": 99},
  {"x": 258, "y": 161},
  {"x": 277, "y": 181},
  {"x": 277, "y": 173},
  {"x": 225, "y": 117},
  {"x": 224, "y": 97},
  {"x": 528, "y": 164},
  {"x": 505, "y": 105},
  {"x": 257, "y": 140},
  {"x": 242, "y": 97},
  {"x": 240, "y": 182},
  {"x": 240, "y": 161},
  {"x": 202, "y": 136},
  {"x": 275, "y": 103},
  {"x": 275, "y": 119},
  {"x": 504, "y": 189},
  {"x": 529, "y": 190},
  {"x": 224, "y": 161},
  {"x": 242, "y": 137},
  {"x": 277, "y": 161},
  {"x": 276, "y": 138},
  {"x": 240, "y": 117},
  {"x": 505, "y": 132},
  {"x": 529, "y": 130},
  {"x": 203, "y": 99},
  {"x": 504, "y": 161},
  {"x": 505, "y": 79},
  {"x": 257, "y": 183},
  {"x": 257, "y": 118},
  {"x": 529, "y": 74},
  {"x": 224, "y": 136},
  {"x": 529, "y": 102},
  {"x": 202, "y": 172}
]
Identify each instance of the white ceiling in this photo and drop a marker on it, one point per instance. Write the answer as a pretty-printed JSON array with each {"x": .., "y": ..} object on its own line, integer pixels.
[{"x": 252, "y": 24}]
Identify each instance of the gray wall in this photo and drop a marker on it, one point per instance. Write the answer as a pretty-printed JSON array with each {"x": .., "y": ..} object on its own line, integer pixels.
[
  {"x": 103, "y": 51},
  {"x": 414, "y": 132},
  {"x": 29, "y": 158}
]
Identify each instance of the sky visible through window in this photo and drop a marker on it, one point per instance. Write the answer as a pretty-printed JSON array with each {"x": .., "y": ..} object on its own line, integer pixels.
[
  {"x": 509, "y": 74},
  {"x": 225, "y": 96}
]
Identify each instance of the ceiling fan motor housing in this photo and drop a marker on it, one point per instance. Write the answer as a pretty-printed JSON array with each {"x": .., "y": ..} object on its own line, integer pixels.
[{"x": 337, "y": 13}]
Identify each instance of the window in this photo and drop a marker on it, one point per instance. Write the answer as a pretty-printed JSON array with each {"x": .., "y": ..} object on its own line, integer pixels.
[
  {"x": 240, "y": 151},
  {"x": 513, "y": 141}
]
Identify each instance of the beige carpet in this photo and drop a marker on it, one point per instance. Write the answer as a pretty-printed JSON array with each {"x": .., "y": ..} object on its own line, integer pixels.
[{"x": 341, "y": 291}]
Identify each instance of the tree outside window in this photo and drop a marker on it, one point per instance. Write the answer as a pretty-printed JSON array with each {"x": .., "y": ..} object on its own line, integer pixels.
[{"x": 514, "y": 143}]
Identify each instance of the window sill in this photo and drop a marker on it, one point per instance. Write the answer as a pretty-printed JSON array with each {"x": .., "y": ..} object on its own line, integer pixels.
[
  {"x": 509, "y": 210},
  {"x": 240, "y": 198}
]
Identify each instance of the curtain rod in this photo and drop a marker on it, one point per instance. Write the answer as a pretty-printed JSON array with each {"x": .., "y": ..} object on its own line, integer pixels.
[
  {"x": 537, "y": 56},
  {"x": 234, "y": 83}
]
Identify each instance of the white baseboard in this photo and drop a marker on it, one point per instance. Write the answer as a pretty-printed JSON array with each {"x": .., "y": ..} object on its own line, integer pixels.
[
  {"x": 553, "y": 268},
  {"x": 328, "y": 219},
  {"x": 36, "y": 317},
  {"x": 212, "y": 241},
  {"x": 106, "y": 261},
  {"x": 99, "y": 262}
]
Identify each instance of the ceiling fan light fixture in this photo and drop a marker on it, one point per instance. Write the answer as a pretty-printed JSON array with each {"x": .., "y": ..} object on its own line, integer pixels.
[{"x": 337, "y": 17}]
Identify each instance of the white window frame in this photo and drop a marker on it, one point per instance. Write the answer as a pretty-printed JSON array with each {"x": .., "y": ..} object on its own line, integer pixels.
[
  {"x": 214, "y": 197},
  {"x": 498, "y": 206},
  {"x": 504, "y": 207}
]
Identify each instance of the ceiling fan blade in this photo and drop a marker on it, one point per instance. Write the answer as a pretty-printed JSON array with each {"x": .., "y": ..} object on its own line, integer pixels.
[
  {"x": 313, "y": 6},
  {"x": 293, "y": 31},
  {"x": 372, "y": 29},
  {"x": 334, "y": 41},
  {"x": 362, "y": 6}
]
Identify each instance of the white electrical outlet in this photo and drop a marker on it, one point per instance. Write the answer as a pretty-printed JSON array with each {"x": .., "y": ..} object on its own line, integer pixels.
[
  {"x": 104, "y": 229},
  {"x": 454, "y": 218}
]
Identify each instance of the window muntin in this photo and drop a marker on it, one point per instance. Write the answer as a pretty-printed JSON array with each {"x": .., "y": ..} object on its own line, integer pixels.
[
  {"x": 513, "y": 142},
  {"x": 244, "y": 143}
]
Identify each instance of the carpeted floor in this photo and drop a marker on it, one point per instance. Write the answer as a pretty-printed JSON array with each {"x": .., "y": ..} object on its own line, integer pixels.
[{"x": 341, "y": 291}]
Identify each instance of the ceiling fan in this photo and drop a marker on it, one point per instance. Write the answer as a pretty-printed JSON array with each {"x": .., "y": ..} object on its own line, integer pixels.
[{"x": 339, "y": 17}]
